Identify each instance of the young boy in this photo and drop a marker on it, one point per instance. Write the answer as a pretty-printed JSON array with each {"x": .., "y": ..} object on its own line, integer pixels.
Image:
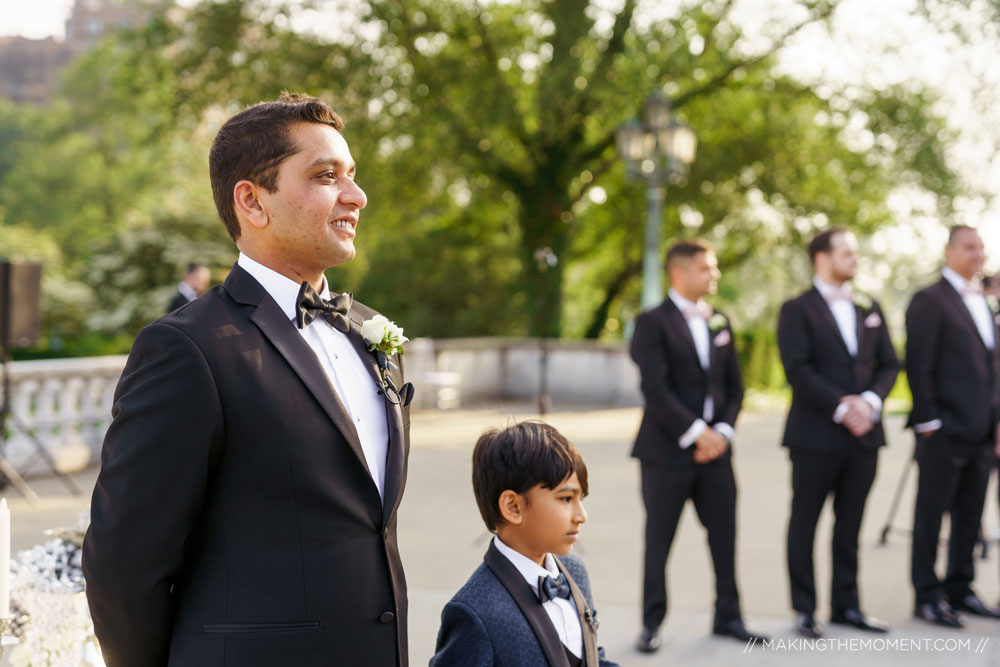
[{"x": 529, "y": 603}]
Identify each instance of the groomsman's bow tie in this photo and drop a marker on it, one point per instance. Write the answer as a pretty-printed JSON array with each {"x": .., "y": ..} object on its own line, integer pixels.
[
  {"x": 839, "y": 294},
  {"x": 550, "y": 588},
  {"x": 309, "y": 305},
  {"x": 700, "y": 309}
]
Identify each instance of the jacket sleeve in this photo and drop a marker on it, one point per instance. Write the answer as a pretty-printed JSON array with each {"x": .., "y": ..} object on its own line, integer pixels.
[
  {"x": 923, "y": 331},
  {"x": 649, "y": 351},
  {"x": 797, "y": 357},
  {"x": 733, "y": 382},
  {"x": 885, "y": 375},
  {"x": 462, "y": 640},
  {"x": 157, "y": 456}
]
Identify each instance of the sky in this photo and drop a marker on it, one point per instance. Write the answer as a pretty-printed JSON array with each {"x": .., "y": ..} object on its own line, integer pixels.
[{"x": 875, "y": 43}]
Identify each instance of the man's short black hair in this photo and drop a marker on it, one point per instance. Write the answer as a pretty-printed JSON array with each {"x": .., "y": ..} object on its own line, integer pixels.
[
  {"x": 823, "y": 241},
  {"x": 194, "y": 266},
  {"x": 955, "y": 230},
  {"x": 518, "y": 458},
  {"x": 687, "y": 249}
]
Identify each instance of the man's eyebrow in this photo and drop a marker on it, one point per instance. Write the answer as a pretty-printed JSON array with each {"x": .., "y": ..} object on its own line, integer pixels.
[{"x": 336, "y": 163}]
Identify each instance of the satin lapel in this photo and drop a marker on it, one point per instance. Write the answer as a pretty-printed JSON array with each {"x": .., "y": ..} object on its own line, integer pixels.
[
  {"x": 675, "y": 318},
  {"x": 395, "y": 456},
  {"x": 819, "y": 304},
  {"x": 278, "y": 329},
  {"x": 586, "y": 619},
  {"x": 958, "y": 305},
  {"x": 529, "y": 605}
]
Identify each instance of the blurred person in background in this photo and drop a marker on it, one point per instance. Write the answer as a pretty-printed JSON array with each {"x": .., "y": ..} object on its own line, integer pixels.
[{"x": 193, "y": 285}]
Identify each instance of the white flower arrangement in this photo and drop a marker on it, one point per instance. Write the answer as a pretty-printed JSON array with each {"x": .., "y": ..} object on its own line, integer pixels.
[
  {"x": 717, "y": 322},
  {"x": 382, "y": 335}
]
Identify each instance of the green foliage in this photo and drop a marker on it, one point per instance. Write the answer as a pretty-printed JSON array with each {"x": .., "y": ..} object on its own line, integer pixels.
[{"x": 483, "y": 132}]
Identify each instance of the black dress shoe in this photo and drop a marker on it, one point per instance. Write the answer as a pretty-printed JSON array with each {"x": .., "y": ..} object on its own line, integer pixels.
[
  {"x": 807, "y": 626},
  {"x": 735, "y": 628},
  {"x": 971, "y": 604},
  {"x": 858, "y": 619},
  {"x": 649, "y": 641},
  {"x": 938, "y": 613}
]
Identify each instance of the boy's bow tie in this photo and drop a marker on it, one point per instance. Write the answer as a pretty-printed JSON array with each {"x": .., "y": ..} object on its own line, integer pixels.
[
  {"x": 309, "y": 305},
  {"x": 550, "y": 588}
]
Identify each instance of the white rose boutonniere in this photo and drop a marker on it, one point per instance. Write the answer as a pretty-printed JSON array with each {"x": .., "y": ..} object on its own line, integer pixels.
[
  {"x": 717, "y": 322},
  {"x": 862, "y": 301},
  {"x": 385, "y": 339}
]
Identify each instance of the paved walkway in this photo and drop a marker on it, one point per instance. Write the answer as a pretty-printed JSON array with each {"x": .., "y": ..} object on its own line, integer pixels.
[{"x": 442, "y": 540}]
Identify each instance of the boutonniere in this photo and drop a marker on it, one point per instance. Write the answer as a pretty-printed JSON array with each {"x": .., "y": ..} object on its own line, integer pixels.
[
  {"x": 862, "y": 301},
  {"x": 993, "y": 303},
  {"x": 717, "y": 322},
  {"x": 385, "y": 339}
]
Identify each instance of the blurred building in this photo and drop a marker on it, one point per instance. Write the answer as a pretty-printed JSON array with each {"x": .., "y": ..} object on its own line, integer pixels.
[{"x": 29, "y": 68}]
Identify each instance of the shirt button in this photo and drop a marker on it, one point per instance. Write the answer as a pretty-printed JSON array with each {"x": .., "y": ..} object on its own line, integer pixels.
[{"x": 387, "y": 617}]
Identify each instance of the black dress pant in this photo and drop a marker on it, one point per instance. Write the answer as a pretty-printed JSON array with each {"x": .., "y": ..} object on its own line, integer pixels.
[
  {"x": 665, "y": 490},
  {"x": 848, "y": 475},
  {"x": 953, "y": 476}
]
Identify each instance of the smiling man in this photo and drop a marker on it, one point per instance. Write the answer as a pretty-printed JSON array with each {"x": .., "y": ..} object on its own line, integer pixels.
[{"x": 245, "y": 513}]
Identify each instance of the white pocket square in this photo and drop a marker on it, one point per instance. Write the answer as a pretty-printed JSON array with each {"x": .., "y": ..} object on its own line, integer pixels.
[
  {"x": 722, "y": 338},
  {"x": 873, "y": 320}
]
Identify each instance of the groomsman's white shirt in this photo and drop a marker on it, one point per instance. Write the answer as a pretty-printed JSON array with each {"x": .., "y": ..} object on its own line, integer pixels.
[
  {"x": 563, "y": 613},
  {"x": 187, "y": 291},
  {"x": 847, "y": 322},
  {"x": 981, "y": 315},
  {"x": 698, "y": 326},
  {"x": 343, "y": 367}
]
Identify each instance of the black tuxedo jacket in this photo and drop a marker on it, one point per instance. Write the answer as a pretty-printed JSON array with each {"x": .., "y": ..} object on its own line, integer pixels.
[
  {"x": 234, "y": 520},
  {"x": 952, "y": 374},
  {"x": 675, "y": 385},
  {"x": 821, "y": 371},
  {"x": 176, "y": 302}
]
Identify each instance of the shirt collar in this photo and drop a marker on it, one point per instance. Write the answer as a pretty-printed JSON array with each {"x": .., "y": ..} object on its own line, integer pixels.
[
  {"x": 187, "y": 291},
  {"x": 958, "y": 282},
  {"x": 282, "y": 289},
  {"x": 681, "y": 302},
  {"x": 528, "y": 568},
  {"x": 825, "y": 288}
]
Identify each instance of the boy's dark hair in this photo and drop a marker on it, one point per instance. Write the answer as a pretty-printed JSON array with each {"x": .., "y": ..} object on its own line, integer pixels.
[
  {"x": 252, "y": 145},
  {"x": 823, "y": 241},
  {"x": 517, "y": 458},
  {"x": 687, "y": 249}
]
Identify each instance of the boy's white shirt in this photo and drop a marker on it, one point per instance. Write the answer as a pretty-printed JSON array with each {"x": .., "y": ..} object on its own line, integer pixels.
[{"x": 562, "y": 612}]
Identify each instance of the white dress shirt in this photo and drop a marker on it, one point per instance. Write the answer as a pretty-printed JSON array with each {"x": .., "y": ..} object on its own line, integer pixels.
[
  {"x": 348, "y": 376},
  {"x": 562, "y": 613},
  {"x": 698, "y": 326},
  {"x": 846, "y": 316},
  {"x": 981, "y": 316},
  {"x": 187, "y": 291}
]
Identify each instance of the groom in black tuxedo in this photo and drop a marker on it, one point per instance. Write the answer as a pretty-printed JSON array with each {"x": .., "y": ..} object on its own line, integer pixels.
[
  {"x": 952, "y": 365},
  {"x": 245, "y": 512},
  {"x": 840, "y": 363},
  {"x": 690, "y": 379}
]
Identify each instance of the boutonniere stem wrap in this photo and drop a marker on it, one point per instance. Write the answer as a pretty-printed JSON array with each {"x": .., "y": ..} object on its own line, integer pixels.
[{"x": 385, "y": 339}]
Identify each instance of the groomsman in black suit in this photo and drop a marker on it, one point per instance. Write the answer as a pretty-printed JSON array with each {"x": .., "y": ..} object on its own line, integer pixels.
[
  {"x": 839, "y": 360},
  {"x": 693, "y": 393},
  {"x": 952, "y": 366},
  {"x": 193, "y": 285}
]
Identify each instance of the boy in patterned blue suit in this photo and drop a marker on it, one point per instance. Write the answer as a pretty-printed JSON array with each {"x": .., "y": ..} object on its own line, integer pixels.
[{"x": 529, "y": 603}]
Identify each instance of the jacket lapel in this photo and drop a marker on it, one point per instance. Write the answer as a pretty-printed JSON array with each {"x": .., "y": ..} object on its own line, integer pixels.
[
  {"x": 958, "y": 305},
  {"x": 281, "y": 331},
  {"x": 529, "y": 605},
  {"x": 395, "y": 456},
  {"x": 820, "y": 305},
  {"x": 676, "y": 320},
  {"x": 587, "y": 619}
]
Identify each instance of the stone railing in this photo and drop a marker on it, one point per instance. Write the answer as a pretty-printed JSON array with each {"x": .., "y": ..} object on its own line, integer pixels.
[{"x": 66, "y": 403}]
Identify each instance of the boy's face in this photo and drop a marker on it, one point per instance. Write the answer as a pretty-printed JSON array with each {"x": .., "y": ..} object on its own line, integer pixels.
[{"x": 552, "y": 517}]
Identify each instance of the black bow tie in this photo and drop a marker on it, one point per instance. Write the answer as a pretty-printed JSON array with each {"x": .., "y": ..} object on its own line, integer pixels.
[
  {"x": 550, "y": 588},
  {"x": 309, "y": 305}
]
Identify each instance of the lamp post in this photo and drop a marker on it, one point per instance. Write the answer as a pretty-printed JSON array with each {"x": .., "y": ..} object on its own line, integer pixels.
[{"x": 657, "y": 149}]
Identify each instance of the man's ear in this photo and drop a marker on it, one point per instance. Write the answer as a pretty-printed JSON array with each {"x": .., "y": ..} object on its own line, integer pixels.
[
  {"x": 512, "y": 507},
  {"x": 248, "y": 205}
]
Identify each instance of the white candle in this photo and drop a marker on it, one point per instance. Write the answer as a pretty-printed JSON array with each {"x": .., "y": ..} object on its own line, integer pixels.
[{"x": 4, "y": 559}]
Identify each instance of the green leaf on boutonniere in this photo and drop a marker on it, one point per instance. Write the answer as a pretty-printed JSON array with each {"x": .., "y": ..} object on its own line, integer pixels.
[{"x": 717, "y": 322}]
